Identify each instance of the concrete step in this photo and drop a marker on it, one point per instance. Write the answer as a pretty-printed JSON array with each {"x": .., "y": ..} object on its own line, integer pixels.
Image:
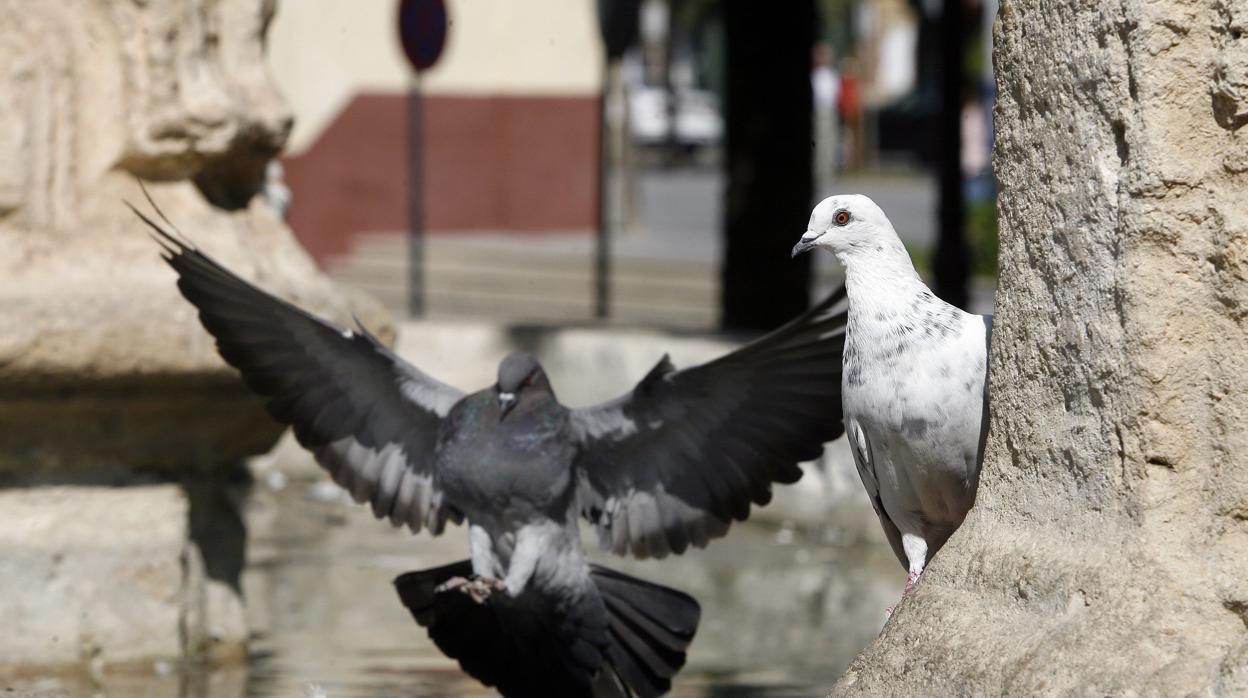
[
  {"x": 440, "y": 303},
  {"x": 531, "y": 271},
  {"x": 536, "y": 283},
  {"x": 549, "y": 280},
  {"x": 553, "y": 253}
]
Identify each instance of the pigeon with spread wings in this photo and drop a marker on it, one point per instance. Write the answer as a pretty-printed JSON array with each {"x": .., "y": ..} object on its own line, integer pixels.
[{"x": 667, "y": 466}]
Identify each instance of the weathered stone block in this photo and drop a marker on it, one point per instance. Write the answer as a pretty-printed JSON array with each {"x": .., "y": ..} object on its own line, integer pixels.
[
  {"x": 106, "y": 374},
  {"x": 94, "y": 575}
]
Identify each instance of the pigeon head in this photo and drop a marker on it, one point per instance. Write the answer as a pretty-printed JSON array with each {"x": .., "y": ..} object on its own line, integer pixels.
[
  {"x": 846, "y": 224},
  {"x": 518, "y": 375}
]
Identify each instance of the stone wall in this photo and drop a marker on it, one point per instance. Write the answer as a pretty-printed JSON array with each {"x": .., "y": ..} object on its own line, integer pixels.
[
  {"x": 62, "y": 543},
  {"x": 106, "y": 377},
  {"x": 1108, "y": 550}
]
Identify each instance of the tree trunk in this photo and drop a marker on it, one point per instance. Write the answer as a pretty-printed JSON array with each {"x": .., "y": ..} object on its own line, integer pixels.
[
  {"x": 768, "y": 161},
  {"x": 1108, "y": 551}
]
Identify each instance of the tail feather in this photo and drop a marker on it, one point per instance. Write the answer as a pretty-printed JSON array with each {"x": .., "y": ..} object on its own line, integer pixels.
[
  {"x": 417, "y": 589},
  {"x": 544, "y": 644},
  {"x": 538, "y": 644},
  {"x": 672, "y": 612},
  {"x": 654, "y": 649},
  {"x": 463, "y": 630},
  {"x": 651, "y": 627}
]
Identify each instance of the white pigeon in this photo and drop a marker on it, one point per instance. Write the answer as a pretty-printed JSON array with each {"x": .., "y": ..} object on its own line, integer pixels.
[{"x": 915, "y": 382}]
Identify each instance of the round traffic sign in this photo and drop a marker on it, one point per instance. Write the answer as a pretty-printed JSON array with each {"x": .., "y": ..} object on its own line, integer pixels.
[{"x": 422, "y": 31}]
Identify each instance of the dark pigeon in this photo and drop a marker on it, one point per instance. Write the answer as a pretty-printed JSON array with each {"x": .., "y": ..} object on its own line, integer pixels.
[{"x": 669, "y": 465}]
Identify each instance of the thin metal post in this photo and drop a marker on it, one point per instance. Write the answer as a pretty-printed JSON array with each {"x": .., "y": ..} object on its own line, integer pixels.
[
  {"x": 602, "y": 247},
  {"x": 415, "y": 202}
]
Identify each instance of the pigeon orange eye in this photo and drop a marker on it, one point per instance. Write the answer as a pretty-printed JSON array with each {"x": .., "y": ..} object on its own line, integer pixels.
[
  {"x": 528, "y": 381},
  {"x": 841, "y": 217}
]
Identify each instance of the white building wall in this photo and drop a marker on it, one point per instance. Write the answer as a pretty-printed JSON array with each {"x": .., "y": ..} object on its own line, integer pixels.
[{"x": 322, "y": 52}]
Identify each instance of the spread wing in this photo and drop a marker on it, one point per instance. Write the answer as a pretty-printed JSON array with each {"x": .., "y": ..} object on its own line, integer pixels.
[
  {"x": 673, "y": 462},
  {"x": 370, "y": 418}
]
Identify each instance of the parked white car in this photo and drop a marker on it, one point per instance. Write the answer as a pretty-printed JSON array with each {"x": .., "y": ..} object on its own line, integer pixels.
[{"x": 697, "y": 117}]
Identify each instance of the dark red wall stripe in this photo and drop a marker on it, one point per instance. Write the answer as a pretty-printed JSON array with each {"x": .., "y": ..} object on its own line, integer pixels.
[{"x": 507, "y": 164}]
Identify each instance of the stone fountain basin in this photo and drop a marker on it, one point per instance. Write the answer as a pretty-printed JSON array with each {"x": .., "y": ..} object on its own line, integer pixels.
[{"x": 788, "y": 597}]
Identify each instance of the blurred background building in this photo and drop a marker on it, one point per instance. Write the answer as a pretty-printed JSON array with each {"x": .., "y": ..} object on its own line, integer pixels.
[{"x": 514, "y": 171}]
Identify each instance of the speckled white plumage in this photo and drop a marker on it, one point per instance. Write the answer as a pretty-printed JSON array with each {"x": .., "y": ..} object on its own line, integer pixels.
[{"x": 914, "y": 387}]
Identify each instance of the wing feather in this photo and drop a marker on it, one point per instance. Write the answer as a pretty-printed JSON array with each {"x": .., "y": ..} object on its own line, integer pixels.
[
  {"x": 864, "y": 460},
  {"x": 368, "y": 417},
  {"x": 672, "y": 463}
]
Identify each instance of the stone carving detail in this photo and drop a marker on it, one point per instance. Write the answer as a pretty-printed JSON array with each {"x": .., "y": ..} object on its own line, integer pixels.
[
  {"x": 167, "y": 89},
  {"x": 106, "y": 375},
  {"x": 1230, "y": 74}
]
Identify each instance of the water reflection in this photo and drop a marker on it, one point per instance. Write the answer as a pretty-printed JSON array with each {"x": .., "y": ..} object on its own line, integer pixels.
[{"x": 785, "y": 608}]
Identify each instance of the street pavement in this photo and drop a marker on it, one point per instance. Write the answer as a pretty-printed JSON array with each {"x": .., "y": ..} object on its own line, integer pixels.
[
  {"x": 666, "y": 247},
  {"x": 678, "y": 212}
]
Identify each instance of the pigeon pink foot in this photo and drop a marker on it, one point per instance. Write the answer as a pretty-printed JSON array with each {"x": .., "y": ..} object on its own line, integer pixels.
[{"x": 911, "y": 580}]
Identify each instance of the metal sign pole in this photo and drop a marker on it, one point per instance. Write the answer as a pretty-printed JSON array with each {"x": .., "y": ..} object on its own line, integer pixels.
[
  {"x": 602, "y": 246},
  {"x": 415, "y": 202},
  {"x": 422, "y": 32},
  {"x": 618, "y": 21}
]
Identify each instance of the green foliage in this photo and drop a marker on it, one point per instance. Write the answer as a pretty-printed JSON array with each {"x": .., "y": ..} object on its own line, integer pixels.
[
  {"x": 836, "y": 25},
  {"x": 981, "y": 236},
  {"x": 921, "y": 257}
]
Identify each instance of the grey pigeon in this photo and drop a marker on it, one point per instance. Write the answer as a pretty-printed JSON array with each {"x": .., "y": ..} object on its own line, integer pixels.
[
  {"x": 915, "y": 383},
  {"x": 664, "y": 467}
]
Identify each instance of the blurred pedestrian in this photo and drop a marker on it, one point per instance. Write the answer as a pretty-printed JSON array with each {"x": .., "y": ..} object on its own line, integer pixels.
[
  {"x": 976, "y": 155},
  {"x": 849, "y": 104},
  {"x": 825, "y": 85}
]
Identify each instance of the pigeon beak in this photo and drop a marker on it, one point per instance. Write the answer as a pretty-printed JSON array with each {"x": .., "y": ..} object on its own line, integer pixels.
[
  {"x": 807, "y": 242},
  {"x": 506, "y": 402}
]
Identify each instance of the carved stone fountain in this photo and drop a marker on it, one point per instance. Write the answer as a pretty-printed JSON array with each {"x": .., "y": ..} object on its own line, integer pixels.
[{"x": 120, "y": 428}]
